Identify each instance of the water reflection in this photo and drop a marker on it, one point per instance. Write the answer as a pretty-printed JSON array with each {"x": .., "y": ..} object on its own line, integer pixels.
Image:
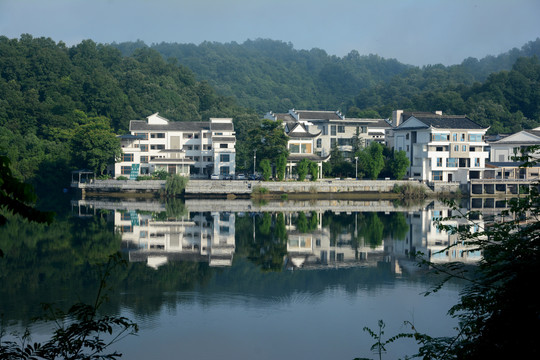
[{"x": 285, "y": 235}]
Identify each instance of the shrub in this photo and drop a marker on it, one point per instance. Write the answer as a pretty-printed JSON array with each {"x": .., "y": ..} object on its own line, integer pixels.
[
  {"x": 175, "y": 185},
  {"x": 122, "y": 177}
]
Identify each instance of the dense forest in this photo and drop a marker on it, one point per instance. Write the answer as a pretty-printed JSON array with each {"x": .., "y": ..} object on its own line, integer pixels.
[
  {"x": 499, "y": 91},
  {"x": 52, "y": 97}
]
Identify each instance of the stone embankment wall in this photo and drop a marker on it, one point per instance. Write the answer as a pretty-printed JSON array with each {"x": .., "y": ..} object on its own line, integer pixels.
[
  {"x": 121, "y": 185},
  {"x": 200, "y": 187},
  {"x": 246, "y": 187}
]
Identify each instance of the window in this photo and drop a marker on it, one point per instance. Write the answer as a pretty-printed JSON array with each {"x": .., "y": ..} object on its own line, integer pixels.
[
  {"x": 475, "y": 137},
  {"x": 437, "y": 175},
  {"x": 341, "y": 129},
  {"x": 452, "y": 162},
  {"x": 126, "y": 170},
  {"x": 344, "y": 142},
  {"x": 439, "y": 162},
  {"x": 456, "y": 147},
  {"x": 144, "y": 147},
  {"x": 333, "y": 130},
  {"x": 333, "y": 142},
  {"x": 439, "y": 137},
  {"x": 462, "y": 137},
  {"x": 224, "y": 158},
  {"x": 407, "y": 136},
  {"x": 408, "y": 149},
  {"x": 477, "y": 162},
  {"x": 223, "y": 146},
  {"x": 127, "y": 157},
  {"x": 323, "y": 129},
  {"x": 319, "y": 143},
  {"x": 142, "y": 136},
  {"x": 188, "y": 136},
  {"x": 157, "y": 147},
  {"x": 464, "y": 148},
  {"x": 454, "y": 137},
  {"x": 144, "y": 159},
  {"x": 157, "y": 135}
]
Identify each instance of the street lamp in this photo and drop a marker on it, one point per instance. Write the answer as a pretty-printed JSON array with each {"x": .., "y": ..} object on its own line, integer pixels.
[
  {"x": 254, "y": 160},
  {"x": 356, "y": 167}
]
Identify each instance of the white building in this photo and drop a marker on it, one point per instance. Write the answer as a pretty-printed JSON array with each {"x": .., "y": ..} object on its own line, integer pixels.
[
  {"x": 334, "y": 128},
  {"x": 505, "y": 149},
  {"x": 186, "y": 148},
  {"x": 440, "y": 147}
]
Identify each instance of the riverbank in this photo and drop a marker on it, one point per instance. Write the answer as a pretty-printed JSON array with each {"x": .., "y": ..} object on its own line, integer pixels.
[{"x": 325, "y": 188}]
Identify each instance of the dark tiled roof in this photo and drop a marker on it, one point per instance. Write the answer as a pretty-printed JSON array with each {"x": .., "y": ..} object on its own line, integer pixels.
[
  {"x": 534, "y": 132},
  {"x": 227, "y": 139},
  {"x": 285, "y": 117},
  {"x": 222, "y": 127},
  {"x": 443, "y": 121},
  {"x": 317, "y": 115},
  {"x": 140, "y": 125}
]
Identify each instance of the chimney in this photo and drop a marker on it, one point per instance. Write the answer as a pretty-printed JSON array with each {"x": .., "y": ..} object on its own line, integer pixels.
[{"x": 396, "y": 117}]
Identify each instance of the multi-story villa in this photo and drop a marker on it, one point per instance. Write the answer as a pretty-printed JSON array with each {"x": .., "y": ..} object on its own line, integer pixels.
[
  {"x": 334, "y": 129},
  {"x": 186, "y": 148},
  {"x": 448, "y": 148},
  {"x": 301, "y": 145}
]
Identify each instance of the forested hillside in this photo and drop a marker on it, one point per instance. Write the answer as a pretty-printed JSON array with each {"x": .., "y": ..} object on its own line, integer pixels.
[
  {"x": 498, "y": 91},
  {"x": 271, "y": 75},
  {"x": 51, "y": 94},
  {"x": 54, "y": 98}
]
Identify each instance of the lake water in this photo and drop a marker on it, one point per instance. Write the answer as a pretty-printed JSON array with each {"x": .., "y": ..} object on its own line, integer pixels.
[{"x": 209, "y": 279}]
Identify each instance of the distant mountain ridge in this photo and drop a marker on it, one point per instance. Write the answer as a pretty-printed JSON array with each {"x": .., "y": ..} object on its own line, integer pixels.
[{"x": 267, "y": 74}]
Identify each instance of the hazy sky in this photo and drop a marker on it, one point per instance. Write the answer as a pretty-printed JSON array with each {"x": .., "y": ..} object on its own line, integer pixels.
[{"x": 416, "y": 32}]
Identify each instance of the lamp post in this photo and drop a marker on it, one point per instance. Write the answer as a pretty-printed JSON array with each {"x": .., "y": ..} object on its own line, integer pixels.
[
  {"x": 356, "y": 168},
  {"x": 254, "y": 160}
]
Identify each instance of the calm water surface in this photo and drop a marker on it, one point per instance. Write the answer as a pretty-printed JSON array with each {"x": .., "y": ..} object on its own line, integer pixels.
[{"x": 209, "y": 279}]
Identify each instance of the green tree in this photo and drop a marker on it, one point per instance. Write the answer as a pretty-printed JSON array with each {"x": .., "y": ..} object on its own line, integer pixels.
[
  {"x": 94, "y": 146},
  {"x": 175, "y": 185},
  {"x": 398, "y": 164},
  {"x": 302, "y": 168},
  {"x": 266, "y": 168},
  {"x": 281, "y": 166},
  {"x": 371, "y": 160},
  {"x": 314, "y": 170}
]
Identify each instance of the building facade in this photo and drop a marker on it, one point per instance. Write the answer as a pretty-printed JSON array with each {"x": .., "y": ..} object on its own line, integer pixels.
[
  {"x": 335, "y": 129},
  {"x": 449, "y": 148},
  {"x": 196, "y": 149},
  {"x": 507, "y": 148}
]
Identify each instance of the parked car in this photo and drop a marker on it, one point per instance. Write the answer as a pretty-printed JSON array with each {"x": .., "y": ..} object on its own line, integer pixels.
[
  {"x": 227, "y": 177},
  {"x": 241, "y": 177},
  {"x": 254, "y": 177},
  {"x": 214, "y": 177}
]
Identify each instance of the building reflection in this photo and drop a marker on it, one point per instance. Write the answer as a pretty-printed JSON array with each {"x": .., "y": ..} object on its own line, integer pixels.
[
  {"x": 156, "y": 240},
  {"x": 313, "y": 239}
]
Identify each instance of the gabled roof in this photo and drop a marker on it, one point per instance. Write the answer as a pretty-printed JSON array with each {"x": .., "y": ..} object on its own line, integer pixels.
[
  {"x": 299, "y": 130},
  {"x": 439, "y": 121},
  {"x": 523, "y": 137}
]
